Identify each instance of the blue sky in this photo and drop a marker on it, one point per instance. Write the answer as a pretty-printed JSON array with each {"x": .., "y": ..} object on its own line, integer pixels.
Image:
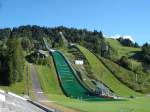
[{"x": 122, "y": 17}]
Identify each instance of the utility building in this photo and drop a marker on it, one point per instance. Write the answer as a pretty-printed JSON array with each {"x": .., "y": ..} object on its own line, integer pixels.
[{"x": 79, "y": 62}]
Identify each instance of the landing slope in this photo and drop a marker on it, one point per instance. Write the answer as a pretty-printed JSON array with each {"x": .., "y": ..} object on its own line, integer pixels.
[
  {"x": 103, "y": 74},
  {"x": 70, "y": 84}
]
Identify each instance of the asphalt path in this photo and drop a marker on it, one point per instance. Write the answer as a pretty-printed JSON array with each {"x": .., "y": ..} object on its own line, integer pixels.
[{"x": 40, "y": 97}]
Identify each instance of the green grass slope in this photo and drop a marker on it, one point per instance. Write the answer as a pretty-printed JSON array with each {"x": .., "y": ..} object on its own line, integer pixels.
[
  {"x": 48, "y": 79},
  {"x": 103, "y": 74},
  {"x": 69, "y": 81},
  {"x": 122, "y": 50},
  {"x": 124, "y": 75},
  {"x": 131, "y": 105},
  {"x": 135, "y": 58}
]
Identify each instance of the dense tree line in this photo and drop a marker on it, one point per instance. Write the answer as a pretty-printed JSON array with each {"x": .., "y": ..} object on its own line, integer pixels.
[
  {"x": 4, "y": 61},
  {"x": 11, "y": 62},
  {"x": 130, "y": 64},
  {"x": 127, "y": 42},
  {"x": 38, "y": 58},
  {"x": 33, "y": 35},
  {"x": 5, "y": 33},
  {"x": 30, "y": 38}
]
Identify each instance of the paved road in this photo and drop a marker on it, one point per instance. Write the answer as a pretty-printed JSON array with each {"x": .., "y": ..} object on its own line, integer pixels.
[
  {"x": 40, "y": 97},
  {"x": 27, "y": 80}
]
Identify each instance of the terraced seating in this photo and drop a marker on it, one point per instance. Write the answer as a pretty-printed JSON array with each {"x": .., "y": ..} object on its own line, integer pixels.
[{"x": 14, "y": 104}]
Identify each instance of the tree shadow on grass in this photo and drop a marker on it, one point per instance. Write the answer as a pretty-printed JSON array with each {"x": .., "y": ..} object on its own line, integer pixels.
[{"x": 137, "y": 55}]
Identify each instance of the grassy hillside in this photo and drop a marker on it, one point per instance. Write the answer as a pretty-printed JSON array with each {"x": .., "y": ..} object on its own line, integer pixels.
[
  {"x": 48, "y": 79},
  {"x": 18, "y": 87},
  {"x": 103, "y": 74},
  {"x": 131, "y": 105},
  {"x": 135, "y": 61},
  {"x": 122, "y": 50},
  {"x": 136, "y": 104},
  {"x": 126, "y": 76}
]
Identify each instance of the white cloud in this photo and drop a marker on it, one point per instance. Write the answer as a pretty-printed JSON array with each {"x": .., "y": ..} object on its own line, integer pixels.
[
  {"x": 115, "y": 36},
  {"x": 129, "y": 37},
  {"x": 123, "y": 36}
]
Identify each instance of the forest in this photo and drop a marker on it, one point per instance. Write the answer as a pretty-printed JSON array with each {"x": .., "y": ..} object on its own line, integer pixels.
[{"x": 14, "y": 41}]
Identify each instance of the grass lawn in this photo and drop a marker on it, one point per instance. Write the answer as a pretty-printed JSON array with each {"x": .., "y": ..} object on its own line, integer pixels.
[
  {"x": 48, "y": 78},
  {"x": 19, "y": 87},
  {"x": 51, "y": 87},
  {"x": 103, "y": 74},
  {"x": 126, "y": 76},
  {"x": 139, "y": 104},
  {"x": 122, "y": 50}
]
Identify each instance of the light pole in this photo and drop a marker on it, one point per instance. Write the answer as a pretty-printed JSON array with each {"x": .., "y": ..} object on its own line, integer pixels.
[
  {"x": 102, "y": 83},
  {"x": 136, "y": 77}
]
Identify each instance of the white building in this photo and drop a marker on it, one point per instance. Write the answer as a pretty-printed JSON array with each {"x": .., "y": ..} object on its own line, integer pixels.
[{"x": 79, "y": 62}]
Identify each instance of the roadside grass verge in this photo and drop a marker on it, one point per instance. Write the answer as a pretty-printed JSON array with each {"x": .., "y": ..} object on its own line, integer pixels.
[
  {"x": 48, "y": 78},
  {"x": 18, "y": 87}
]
